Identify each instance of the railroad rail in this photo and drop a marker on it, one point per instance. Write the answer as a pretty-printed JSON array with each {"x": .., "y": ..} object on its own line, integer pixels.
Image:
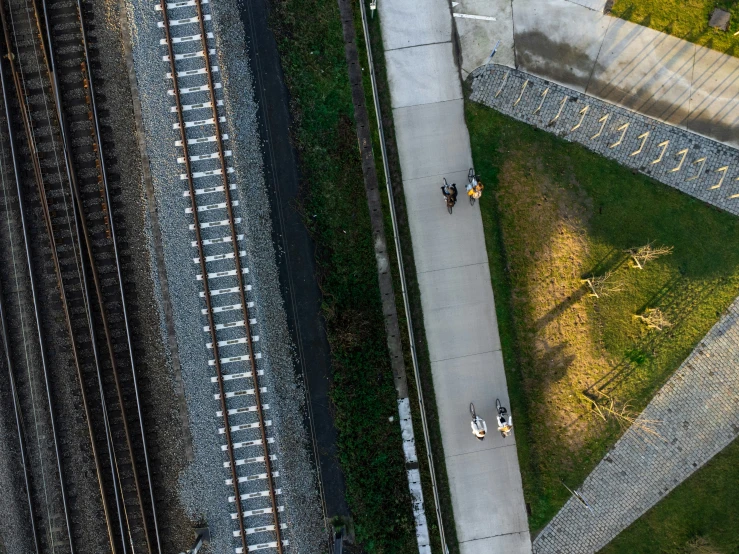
[
  {"x": 45, "y": 50},
  {"x": 218, "y": 243}
]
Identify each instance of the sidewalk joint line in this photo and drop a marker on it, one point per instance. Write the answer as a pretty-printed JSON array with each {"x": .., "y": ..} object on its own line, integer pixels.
[{"x": 418, "y": 45}]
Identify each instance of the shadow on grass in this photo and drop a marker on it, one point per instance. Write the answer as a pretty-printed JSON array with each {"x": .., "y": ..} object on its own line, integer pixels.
[{"x": 674, "y": 299}]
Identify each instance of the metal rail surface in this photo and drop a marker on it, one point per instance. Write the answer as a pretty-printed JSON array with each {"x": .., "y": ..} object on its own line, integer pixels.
[
  {"x": 65, "y": 154},
  {"x": 186, "y": 38}
]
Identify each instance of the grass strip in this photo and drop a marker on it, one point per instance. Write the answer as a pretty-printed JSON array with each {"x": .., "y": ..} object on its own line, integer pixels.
[
  {"x": 701, "y": 516},
  {"x": 685, "y": 20},
  {"x": 309, "y": 38},
  {"x": 414, "y": 295},
  {"x": 558, "y": 213}
]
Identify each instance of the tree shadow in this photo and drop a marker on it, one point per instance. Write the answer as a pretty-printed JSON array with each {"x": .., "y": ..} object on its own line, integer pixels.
[
  {"x": 611, "y": 261},
  {"x": 678, "y": 303},
  {"x": 556, "y": 360},
  {"x": 560, "y": 308}
]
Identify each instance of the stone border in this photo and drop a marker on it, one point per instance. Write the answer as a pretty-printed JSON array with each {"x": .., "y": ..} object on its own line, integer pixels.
[{"x": 698, "y": 166}]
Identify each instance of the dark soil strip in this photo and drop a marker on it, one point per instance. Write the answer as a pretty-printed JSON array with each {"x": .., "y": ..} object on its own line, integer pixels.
[
  {"x": 361, "y": 117},
  {"x": 296, "y": 250}
]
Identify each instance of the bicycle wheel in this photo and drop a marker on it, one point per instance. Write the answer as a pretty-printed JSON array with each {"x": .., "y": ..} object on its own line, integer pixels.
[
  {"x": 470, "y": 175},
  {"x": 472, "y": 410},
  {"x": 449, "y": 207},
  {"x": 472, "y": 200},
  {"x": 497, "y": 405}
]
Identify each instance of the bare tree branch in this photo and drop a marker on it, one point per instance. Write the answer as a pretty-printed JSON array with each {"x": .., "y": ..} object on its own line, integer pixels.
[
  {"x": 608, "y": 409},
  {"x": 602, "y": 285},
  {"x": 647, "y": 253},
  {"x": 654, "y": 318}
]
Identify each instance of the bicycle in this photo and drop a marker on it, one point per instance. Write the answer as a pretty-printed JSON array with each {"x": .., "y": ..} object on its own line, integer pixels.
[
  {"x": 479, "y": 423},
  {"x": 448, "y": 198},
  {"x": 471, "y": 183},
  {"x": 502, "y": 412}
]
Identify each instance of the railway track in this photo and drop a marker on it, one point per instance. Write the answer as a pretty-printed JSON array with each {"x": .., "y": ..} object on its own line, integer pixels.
[
  {"x": 65, "y": 199},
  {"x": 219, "y": 248}
]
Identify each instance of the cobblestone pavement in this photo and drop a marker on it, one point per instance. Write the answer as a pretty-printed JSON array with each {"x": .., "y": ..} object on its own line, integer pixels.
[
  {"x": 697, "y": 411},
  {"x": 698, "y": 166}
]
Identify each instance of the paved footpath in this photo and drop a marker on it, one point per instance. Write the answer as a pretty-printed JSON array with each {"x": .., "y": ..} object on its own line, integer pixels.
[{"x": 453, "y": 275}]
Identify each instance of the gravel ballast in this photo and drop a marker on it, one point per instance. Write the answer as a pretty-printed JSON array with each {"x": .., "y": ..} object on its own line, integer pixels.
[{"x": 201, "y": 485}]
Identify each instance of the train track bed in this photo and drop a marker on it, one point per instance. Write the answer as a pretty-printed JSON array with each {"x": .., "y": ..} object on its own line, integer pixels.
[
  {"x": 203, "y": 486},
  {"x": 158, "y": 401}
]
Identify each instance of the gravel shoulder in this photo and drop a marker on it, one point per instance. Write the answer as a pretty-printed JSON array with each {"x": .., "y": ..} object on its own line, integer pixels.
[{"x": 201, "y": 485}]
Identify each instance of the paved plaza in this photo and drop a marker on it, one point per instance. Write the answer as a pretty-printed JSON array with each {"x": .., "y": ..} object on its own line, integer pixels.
[{"x": 575, "y": 44}]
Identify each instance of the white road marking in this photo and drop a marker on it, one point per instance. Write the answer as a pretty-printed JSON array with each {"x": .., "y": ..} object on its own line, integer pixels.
[{"x": 468, "y": 16}]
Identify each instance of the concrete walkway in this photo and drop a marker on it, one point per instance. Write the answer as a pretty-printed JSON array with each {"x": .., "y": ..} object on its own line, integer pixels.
[
  {"x": 453, "y": 274},
  {"x": 574, "y": 44}
]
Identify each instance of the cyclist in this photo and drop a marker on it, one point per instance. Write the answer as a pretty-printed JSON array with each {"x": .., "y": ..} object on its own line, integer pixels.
[
  {"x": 504, "y": 425},
  {"x": 450, "y": 192},
  {"x": 479, "y": 427},
  {"x": 474, "y": 189}
]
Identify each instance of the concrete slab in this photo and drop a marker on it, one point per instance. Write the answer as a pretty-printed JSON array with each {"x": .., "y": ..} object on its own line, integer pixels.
[
  {"x": 454, "y": 376},
  {"x": 458, "y": 312},
  {"x": 515, "y": 542},
  {"x": 435, "y": 138},
  {"x": 488, "y": 474},
  {"x": 478, "y": 37},
  {"x": 646, "y": 71},
  {"x": 558, "y": 40},
  {"x": 595, "y": 5},
  {"x": 423, "y": 75},
  {"x": 452, "y": 268},
  {"x": 414, "y": 22},
  {"x": 437, "y": 234},
  {"x": 714, "y": 103}
]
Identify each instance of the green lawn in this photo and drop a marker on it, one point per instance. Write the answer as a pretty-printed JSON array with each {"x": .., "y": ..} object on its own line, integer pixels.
[
  {"x": 312, "y": 54},
  {"x": 701, "y": 516},
  {"x": 555, "y": 213},
  {"x": 686, "y": 19}
]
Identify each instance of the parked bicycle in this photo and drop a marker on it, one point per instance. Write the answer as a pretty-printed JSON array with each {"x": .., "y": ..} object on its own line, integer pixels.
[
  {"x": 450, "y": 194},
  {"x": 474, "y": 186}
]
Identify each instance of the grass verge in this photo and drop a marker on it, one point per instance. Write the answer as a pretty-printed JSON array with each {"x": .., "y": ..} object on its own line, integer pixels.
[
  {"x": 700, "y": 516},
  {"x": 685, "y": 20},
  {"x": 557, "y": 213},
  {"x": 396, "y": 178},
  {"x": 309, "y": 38}
]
